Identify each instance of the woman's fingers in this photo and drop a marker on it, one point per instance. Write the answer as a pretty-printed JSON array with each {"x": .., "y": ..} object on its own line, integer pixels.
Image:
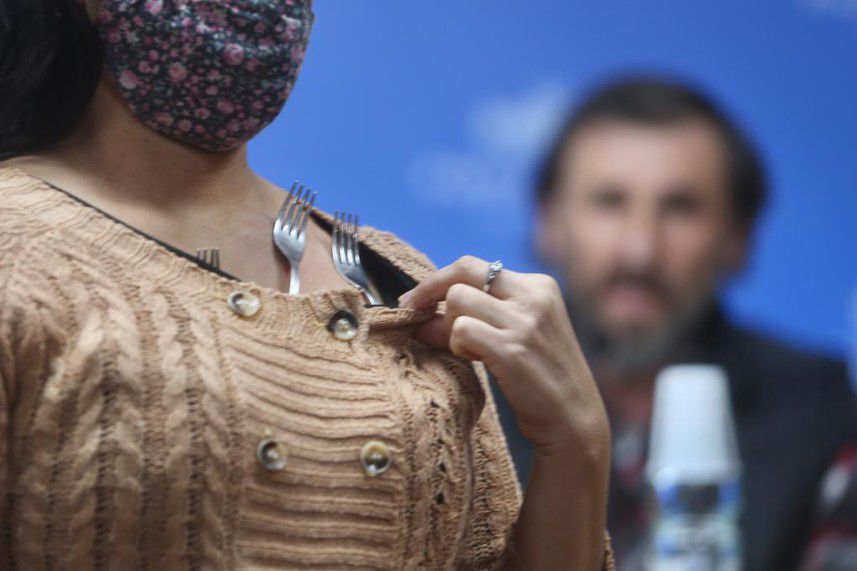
[
  {"x": 473, "y": 339},
  {"x": 463, "y": 299},
  {"x": 466, "y": 270},
  {"x": 466, "y": 301}
]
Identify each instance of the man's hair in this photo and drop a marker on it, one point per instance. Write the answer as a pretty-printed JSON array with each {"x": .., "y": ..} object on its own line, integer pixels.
[{"x": 659, "y": 101}]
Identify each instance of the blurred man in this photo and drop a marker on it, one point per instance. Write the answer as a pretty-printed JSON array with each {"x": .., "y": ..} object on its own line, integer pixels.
[{"x": 647, "y": 204}]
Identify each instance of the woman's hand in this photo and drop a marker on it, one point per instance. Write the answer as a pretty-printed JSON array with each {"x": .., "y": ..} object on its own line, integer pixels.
[{"x": 520, "y": 330}]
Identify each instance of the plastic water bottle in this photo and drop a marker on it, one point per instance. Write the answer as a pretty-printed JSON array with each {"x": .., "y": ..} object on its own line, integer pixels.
[{"x": 694, "y": 473}]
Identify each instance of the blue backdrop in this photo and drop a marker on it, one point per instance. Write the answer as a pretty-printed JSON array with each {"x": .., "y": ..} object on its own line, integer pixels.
[{"x": 425, "y": 118}]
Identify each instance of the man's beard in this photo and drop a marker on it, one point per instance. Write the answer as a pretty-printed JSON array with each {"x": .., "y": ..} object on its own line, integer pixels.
[{"x": 644, "y": 350}]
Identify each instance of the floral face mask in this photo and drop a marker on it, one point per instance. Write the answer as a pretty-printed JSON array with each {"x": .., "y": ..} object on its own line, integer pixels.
[{"x": 211, "y": 73}]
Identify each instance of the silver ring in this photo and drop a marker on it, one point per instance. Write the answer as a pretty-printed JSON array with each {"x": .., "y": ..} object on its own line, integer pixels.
[{"x": 494, "y": 269}]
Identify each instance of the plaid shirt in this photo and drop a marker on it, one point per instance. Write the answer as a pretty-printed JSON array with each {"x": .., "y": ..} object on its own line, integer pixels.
[{"x": 834, "y": 542}]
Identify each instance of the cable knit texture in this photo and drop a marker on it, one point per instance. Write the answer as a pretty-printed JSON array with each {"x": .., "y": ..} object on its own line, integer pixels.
[{"x": 133, "y": 400}]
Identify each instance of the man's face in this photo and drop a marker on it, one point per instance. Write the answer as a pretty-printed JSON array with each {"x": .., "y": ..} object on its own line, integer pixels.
[{"x": 641, "y": 224}]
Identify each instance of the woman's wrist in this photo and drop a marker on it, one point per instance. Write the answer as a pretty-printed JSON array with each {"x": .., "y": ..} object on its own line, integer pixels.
[
  {"x": 563, "y": 519},
  {"x": 577, "y": 444}
]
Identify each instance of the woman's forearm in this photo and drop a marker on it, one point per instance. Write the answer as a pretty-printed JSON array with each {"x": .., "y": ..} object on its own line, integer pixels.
[{"x": 563, "y": 518}]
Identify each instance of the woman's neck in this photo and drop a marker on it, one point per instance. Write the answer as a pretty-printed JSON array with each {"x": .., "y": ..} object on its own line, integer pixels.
[{"x": 113, "y": 154}]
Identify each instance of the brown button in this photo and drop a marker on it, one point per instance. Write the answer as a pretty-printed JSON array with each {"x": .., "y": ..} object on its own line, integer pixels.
[
  {"x": 343, "y": 325},
  {"x": 243, "y": 303},
  {"x": 376, "y": 458},
  {"x": 272, "y": 454}
]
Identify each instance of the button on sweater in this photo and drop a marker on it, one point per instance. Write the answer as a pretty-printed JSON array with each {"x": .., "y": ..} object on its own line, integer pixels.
[{"x": 145, "y": 423}]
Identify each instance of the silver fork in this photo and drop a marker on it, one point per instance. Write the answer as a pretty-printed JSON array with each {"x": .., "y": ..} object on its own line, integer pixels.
[
  {"x": 210, "y": 256},
  {"x": 290, "y": 230},
  {"x": 346, "y": 254}
]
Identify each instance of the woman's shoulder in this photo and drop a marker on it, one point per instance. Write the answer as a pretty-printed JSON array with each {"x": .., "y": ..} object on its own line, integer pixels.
[
  {"x": 398, "y": 252},
  {"x": 21, "y": 200},
  {"x": 30, "y": 231},
  {"x": 19, "y": 220}
]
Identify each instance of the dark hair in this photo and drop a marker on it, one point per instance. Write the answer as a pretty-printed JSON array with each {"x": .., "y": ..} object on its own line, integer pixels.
[
  {"x": 50, "y": 62},
  {"x": 660, "y": 101}
]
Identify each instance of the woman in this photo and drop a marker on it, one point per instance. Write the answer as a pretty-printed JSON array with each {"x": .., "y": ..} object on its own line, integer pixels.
[{"x": 159, "y": 412}]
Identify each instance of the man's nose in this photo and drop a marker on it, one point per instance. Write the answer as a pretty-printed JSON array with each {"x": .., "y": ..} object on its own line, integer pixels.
[{"x": 639, "y": 243}]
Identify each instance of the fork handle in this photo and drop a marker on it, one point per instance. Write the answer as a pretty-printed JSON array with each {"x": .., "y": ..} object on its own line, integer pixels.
[
  {"x": 294, "y": 279},
  {"x": 369, "y": 296}
]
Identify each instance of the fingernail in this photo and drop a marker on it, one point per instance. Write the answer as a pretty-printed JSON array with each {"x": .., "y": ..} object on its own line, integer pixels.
[{"x": 405, "y": 298}]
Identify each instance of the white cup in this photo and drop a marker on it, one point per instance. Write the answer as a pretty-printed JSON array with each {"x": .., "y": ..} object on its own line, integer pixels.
[{"x": 692, "y": 439}]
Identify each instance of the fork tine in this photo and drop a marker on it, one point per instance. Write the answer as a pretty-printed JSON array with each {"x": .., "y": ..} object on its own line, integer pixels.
[
  {"x": 337, "y": 238},
  {"x": 209, "y": 256},
  {"x": 305, "y": 215},
  {"x": 341, "y": 237},
  {"x": 344, "y": 243},
  {"x": 300, "y": 212},
  {"x": 294, "y": 207},
  {"x": 295, "y": 213},
  {"x": 357, "y": 239},
  {"x": 278, "y": 221},
  {"x": 333, "y": 235},
  {"x": 346, "y": 239},
  {"x": 350, "y": 244},
  {"x": 288, "y": 206}
]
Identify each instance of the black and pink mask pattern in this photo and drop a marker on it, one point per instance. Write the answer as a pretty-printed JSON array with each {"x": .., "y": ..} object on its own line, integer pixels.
[{"x": 210, "y": 73}]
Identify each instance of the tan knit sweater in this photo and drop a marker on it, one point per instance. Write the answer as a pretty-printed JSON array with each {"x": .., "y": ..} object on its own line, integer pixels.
[{"x": 150, "y": 419}]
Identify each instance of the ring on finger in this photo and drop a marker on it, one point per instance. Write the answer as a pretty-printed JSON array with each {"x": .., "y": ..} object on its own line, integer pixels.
[{"x": 494, "y": 269}]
